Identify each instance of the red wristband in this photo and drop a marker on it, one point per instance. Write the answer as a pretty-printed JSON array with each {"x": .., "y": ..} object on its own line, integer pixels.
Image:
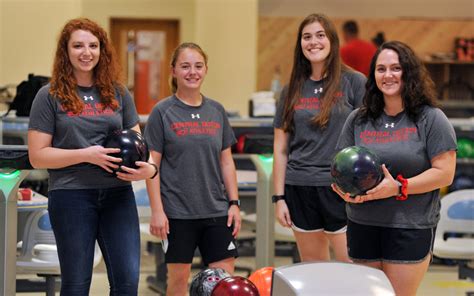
[{"x": 403, "y": 195}]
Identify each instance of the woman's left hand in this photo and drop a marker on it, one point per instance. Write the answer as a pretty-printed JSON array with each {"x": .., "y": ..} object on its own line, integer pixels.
[
  {"x": 346, "y": 196},
  {"x": 388, "y": 187},
  {"x": 144, "y": 171},
  {"x": 234, "y": 218}
]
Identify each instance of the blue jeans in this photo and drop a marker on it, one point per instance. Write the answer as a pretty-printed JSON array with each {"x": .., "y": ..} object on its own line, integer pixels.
[{"x": 79, "y": 218}]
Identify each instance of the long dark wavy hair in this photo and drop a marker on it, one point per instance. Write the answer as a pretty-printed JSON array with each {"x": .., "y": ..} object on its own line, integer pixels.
[
  {"x": 174, "y": 58},
  {"x": 107, "y": 74},
  {"x": 418, "y": 89},
  {"x": 301, "y": 71}
]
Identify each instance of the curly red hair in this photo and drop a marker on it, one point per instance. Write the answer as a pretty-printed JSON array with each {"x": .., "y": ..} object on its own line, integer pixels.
[{"x": 107, "y": 74}]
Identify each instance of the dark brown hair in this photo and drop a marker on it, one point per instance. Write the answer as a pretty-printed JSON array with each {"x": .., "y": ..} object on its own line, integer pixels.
[
  {"x": 350, "y": 28},
  {"x": 107, "y": 75},
  {"x": 418, "y": 88}
]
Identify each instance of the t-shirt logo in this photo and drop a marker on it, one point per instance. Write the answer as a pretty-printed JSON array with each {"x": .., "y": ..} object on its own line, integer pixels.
[
  {"x": 87, "y": 98},
  {"x": 186, "y": 128},
  {"x": 382, "y": 137},
  {"x": 195, "y": 116},
  {"x": 318, "y": 90},
  {"x": 91, "y": 110},
  {"x": 392, "y": 125}
]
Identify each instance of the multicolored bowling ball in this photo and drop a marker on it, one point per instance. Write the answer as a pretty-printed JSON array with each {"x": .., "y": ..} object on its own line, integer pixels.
[
  {"x": 356, "y": 169},
  {"x": 203, "y": 282},
  {"x": 235, "y": 286},
  {"x": 132, "y": 147},
  {"x": 262, "y": 279}
]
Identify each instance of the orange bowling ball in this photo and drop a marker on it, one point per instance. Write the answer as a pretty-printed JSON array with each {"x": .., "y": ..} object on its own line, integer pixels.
[{"x": 262, "y": 278}]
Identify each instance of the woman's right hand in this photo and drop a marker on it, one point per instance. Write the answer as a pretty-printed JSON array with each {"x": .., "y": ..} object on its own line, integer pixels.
[
  {"x": 282, "y": 213},
  {"x": 159, "y": 225},
  {"x": 98, "y": 155}
]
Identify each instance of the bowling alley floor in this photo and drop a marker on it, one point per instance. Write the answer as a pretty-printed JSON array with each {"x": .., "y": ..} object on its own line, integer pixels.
[{"x": 440, "y": 280}]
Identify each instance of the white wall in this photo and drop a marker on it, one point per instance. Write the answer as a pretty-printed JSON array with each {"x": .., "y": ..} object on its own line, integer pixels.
[
  {"x": 28, "y": 34},
  {"x": 370, "y": 8},
  {"x": 227, "y": 31}
]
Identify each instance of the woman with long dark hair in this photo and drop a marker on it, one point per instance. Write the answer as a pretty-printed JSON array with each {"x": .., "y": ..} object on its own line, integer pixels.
[
  {"x": 392, "y": 227},
  {"x": 311, "y": 112}
]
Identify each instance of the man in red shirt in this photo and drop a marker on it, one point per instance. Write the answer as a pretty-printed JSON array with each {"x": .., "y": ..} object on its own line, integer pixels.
[{"x": 356, "y": 52}]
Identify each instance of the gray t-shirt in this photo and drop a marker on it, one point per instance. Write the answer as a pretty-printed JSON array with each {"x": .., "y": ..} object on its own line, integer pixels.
[
  {"x": 89, "y": 128},
  {"x": 406, "y": 148},
  {"x": 311, "y": 148},
  {"x": 190, "y": 140}
]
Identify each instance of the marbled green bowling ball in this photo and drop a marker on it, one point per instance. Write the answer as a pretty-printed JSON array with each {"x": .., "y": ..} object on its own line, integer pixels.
[
  {"x": 465, "y": 148},
  {"x": 356, "y": 169}
]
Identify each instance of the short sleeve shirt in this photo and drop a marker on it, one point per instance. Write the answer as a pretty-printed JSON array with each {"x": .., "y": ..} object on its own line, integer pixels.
[
  {"x": 311, "y": 148},
  {"x": 89, "y": 128},
  {"x": 190, "y": 140},
  {"x": 406, "y": 148}
]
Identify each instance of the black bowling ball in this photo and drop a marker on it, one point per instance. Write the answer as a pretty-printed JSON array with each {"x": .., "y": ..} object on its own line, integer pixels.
[
  {"x": 132, "y": 147},
  {"x": 356, "y": 169}
]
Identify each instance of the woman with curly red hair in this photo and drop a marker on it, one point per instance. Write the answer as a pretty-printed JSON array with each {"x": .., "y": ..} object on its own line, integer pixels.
[{"x": 69, "y": 121}]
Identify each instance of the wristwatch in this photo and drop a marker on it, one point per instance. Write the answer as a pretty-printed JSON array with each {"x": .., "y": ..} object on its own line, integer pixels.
[
  {"x": 276, "y": 198},
  {"x": 234, "y": 202},
  {"x": 399, "y": 188}
]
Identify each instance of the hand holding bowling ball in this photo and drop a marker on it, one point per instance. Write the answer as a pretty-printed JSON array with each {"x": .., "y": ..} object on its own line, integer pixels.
[
  {"x": 356, "y": 169},
  {"x": 132, "y": 147}
]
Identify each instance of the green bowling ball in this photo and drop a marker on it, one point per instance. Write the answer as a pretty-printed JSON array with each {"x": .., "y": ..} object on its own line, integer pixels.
[{"x": 465, "y": 148}]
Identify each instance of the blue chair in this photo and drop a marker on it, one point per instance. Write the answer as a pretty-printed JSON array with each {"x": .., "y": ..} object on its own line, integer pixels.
[
  {"x": 455, "y": 232},
  {"x": 37, "y": 254}
]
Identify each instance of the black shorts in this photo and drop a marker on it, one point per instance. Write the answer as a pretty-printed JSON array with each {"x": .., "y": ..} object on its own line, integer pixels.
[
  {"x": 367, "y": 243},
  {"x": 316, "y": 208},
  {"x": 211, "y": 235}
]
